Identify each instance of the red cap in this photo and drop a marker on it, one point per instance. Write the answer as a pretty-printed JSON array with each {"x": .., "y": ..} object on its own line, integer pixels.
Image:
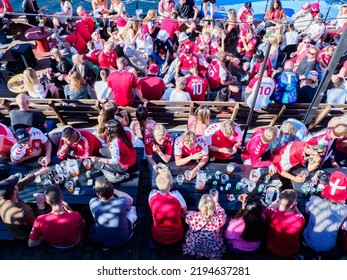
[
  {"x": 153, "y": 68},
  {"x": 315, "y": 7},
  {"x": 336, "y": 190},
  {"x": 121, "y": 22}
]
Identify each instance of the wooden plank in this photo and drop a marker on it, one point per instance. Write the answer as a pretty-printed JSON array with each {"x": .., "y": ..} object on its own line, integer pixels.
[{"x": 320, "y": 117}]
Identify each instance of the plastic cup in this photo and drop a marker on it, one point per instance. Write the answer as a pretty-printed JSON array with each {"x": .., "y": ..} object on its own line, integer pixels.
[
  {"x": 254, "y": 175},
  {"x": 213, "y": 192},
  {"x": 224, "y": 178},
  {"x": 244, "y": 183},
  {"x": 187, "y": 174},
  {"x": 251, "y": 186},
  {"x": 304, "y": 173},
  {"x": 40, "y": 161},
  {"x": 66, "y": 174},
  {"x": 242, "y": 197},
  {"x": 69, "y": 186},
  {"x": 180, "y": 179},
  {"x": 87, "y": 163},
  {"x": 38, "y": 179},
  {"x": 63, "y": 164},
  {"x": 230, "y": 168},
  {"x": 59, "y": 169}
]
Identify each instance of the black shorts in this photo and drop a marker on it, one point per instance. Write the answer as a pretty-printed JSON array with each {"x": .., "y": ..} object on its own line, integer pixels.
[{"x": 211, "y": 1}]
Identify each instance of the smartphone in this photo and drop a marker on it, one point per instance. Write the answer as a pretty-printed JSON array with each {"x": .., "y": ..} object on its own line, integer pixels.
[
  {"x": 90, "y": 182},
  {"x": 76, "y": 191}
]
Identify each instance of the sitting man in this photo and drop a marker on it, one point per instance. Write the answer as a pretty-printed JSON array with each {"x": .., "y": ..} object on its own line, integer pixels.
[
  {"x": 62, "y": 227},
  {"x": 160, "y": 143},
  {"x": 189, "y": 147},
  {"x": 78, "y": 143},
  {"x": 14, "y": 212},
  {"x": 327, "y": 213},
  {"x": 294, "y": 153},
  {"x": 167, "y": 210},
  {"x": 151, "y": 86},
  {"x": 7, "y": 140},
  {"x": 257, "y": 146},
  {"x": 285, "y": 223},
  {"x": 224, "y": 138},
  {"x": 116, "y": 205},
  {"x": 31, "y": 142}
]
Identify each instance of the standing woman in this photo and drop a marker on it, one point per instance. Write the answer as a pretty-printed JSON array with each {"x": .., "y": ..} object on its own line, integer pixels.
[
  {"x": 30, "y": 7},
  {"x": 274, "y": 14},
  {"x": 204, "y": 238},
  {"x": 120, "y": 144},
  {"x": 246, "y": 229},
  {"x": 35, "y": 88},
  {"x": 150, "y": 23}
]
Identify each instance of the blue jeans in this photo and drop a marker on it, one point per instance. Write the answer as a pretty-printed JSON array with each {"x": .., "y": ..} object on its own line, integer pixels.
[{"x": 158, "y": 60}]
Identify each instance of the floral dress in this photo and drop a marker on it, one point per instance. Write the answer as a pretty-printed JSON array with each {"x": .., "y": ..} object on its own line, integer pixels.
[{"x": 207, "y": 242}]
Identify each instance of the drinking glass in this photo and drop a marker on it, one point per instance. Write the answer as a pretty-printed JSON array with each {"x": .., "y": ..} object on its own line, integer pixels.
[
  {"x": 244, "y": 182},
  {"x": 230, "y": 168},
  {"x": 187, "y": 174},
  {"x": 224, "y": 179},
  {"x": 304, "y": 173},
  {"x": 63, "y": 164},
  {"x": 254, "y": 175},
  {"x": 251, "y": 186},
  {"x": 59, "y": 169},
  {"x": 69, "y": 186},
  {"x": 66, "y": 174},
  {"x": 242, "y": 197},
  {"x": 87, "y": 163},
  {"x": 40, "y": 161},
  {"x": 213, "y": 192},
  {"x": 180, "y": 179}
]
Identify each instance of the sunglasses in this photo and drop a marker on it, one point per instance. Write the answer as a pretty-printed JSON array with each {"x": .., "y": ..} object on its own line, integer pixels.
[
  {"x": 312, "y": 53},
  {"x": 306, "y": 42}
]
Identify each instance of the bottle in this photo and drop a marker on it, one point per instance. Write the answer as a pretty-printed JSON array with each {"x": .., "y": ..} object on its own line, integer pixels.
[
  {"x": 267, "y": 179},
  {"x": 228, "y": 187},
  {"x": 88, "y": 174},
  {"x": 261, "y": 188},
  {"x": 238, "y": 186},
  {"x": 75, "y": 180}
]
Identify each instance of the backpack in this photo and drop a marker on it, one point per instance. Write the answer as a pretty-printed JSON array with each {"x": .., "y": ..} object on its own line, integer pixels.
[{"x": 287, "y": 85}]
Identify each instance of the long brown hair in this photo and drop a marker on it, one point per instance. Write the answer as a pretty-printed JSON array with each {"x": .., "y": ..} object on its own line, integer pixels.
[
  {"x": 114, "y": 129},
  {"x": 76, "y": 81},
  {"x": 107, "y": 113}
]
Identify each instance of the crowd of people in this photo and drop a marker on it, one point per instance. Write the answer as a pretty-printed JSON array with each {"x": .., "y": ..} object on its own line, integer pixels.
[{"x": 224, "y": 59}]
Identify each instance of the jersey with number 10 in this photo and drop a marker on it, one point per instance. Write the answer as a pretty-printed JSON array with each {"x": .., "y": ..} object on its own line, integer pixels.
[
  {"x": 197, "y": 87},
  {"x": 266, "y": 89}
]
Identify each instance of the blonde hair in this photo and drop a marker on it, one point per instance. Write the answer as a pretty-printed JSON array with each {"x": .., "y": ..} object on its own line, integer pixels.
[
  {"x": 288, "y": 127},
  {"x": 56, "y": 53},
  {"x": 207, "y": 206},
  {"x": 273, "y": 40},
  {"x": 269, "y": 134},
  {"x": 188, "y": 137},
  {"x": 30, "y": 79},
  {"x": 159, "y": 130},
  {"x": 340, "y": 130},
  {"x": 227, "y": 127},
  {"x": 202, "y": 113},
  {"x": 76, "y": 81},
  {"x": 164, "y": 181},
  {"x": 109, "y": 45},
  {"x": 180, "y": 82},
  {"x": 76, "y": 58}
]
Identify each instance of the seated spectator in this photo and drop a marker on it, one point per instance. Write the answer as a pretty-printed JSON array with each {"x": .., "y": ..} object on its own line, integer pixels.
[
  {"x": 101, "y": 87},
  {"x": 338, "y": 94},
  {"x": 300, "y": 128},
  {"x": 256, "y": 147},
  {"x": 308, "y": 63},
  {"x": 62, "y": 227},
  {"x": 224, "y": 139},
  {"x": 286, "y": 91},
  {"x": 327, "y": 213},
  {"x": 303, "y": 18},
  {"x": 59, "y": 21},
  {"x": 14, "y": 212},
  {"x": 301, "y": 51},
  {"x": 30, "y": 8},
  {"x": 24, "y": 117},
  {"x": 246, "y": 229},
  {"x": 290, "y": 37},
  {"x": 75, "y": 39},
  {"x": 274, "y": 14},
  {"x": 150, "y": 23},
  {"x": 108, "y": 56},
  {"x": 257, "y": 61},
  {"x": 144, "y": 44},
  {"x": 118, "y": 228},
  {"x": 308, "y": 87},
  {"x": 336, "y": 24},
  {"x": 204, "y": 238},
  {"x": 7, "y": 140},
  {"x": 190, "y": 147},
  {"x": 171, "y": 25},
  {"x": 121, "y": 84},
  {"x": 167, "y": 209},
  {"x": 324, "y": 57},
  {"x": 83, "y": 69},
  {"x": 158, "y": 146},
  {"x": 31, "y": 142},
  {"x": 151, "y": 86},
  {"x": 316, "y": 29},
  {"x": 166, "y": 7},
  {"x": 273, "y": 54},
  {"x": 77, "y": 143},
  {"x": 246, "y": 47},
  {"x": 77, "y": 88},
  {"x": 93, "y": 54},
  {"x": 286, "y": 133},
  {"x": 142, "y": 126},
  {"x": 81, "y": 28},
  {"x": 122, "y": 159},
  {"x": 244, "y": 11},
  {"x": 199, "y": 121},
  {"x": 291, "y": 155},
  {"x": 284, "y": 223},
  {"x": 179, "y": 93},
  {"x": 58, "y": 69},
  {"x": 86, "y": 19},
  {"x": 267, "y": 87},
  {"x": 162, "y": 51},
  {"x": 185, "y": 61},
  {"x": 197, "y": 86},
  {"x": 35, "y": 88}
]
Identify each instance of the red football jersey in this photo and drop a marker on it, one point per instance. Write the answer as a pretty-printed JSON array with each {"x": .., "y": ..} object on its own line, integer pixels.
[{"x": 196, "y": 87}]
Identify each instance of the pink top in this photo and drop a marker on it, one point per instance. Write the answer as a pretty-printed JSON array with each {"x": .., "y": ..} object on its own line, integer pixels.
[
  {"x": 196, "y": 126},
  {"x": 135, "y": 128}
]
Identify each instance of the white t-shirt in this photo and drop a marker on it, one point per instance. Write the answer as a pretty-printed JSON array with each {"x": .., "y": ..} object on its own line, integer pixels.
[
  {"x": 266, "y": 89},
  {"x": 316, "y": 28},
  {"x": 38, "y": 93},
  {"x": 100, "y": 89},
  {"x": 180, "y": 96},
  {"x": 337, "y": 96}
]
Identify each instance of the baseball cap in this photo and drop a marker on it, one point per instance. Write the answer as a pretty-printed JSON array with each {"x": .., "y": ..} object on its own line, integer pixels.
[
  {"x": 182, "y": 36},
  {"x": 306, "y": 6},
  {"x": 336, "y": 190},
  {"x": 121, "y": 22},
  {"x": 163, "y": 35},
  {"x": 315, "y": 7},
  {"x": 22, "y": 135},
  {"x": 153, "y": 68},
  {"x": 7, "y": 185}
]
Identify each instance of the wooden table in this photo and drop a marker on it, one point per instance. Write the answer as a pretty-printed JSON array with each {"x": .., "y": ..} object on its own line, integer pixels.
[
  {"x": 192, "y": 196},
  {"x": 40, "y": 36},
  {"x": 16, "y": 84}
]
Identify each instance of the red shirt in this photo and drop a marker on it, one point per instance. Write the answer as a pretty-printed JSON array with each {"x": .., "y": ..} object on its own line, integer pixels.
[
  {"x": 106, "y": 61},
  {"x": 63, "y": 230},
  {"x": 200, "y": 146},
  {"x": 93, "y": 57},
  {"x": 215, "y": 136},
  {"x": 170, "y": 26},
  {"x": 257, "y": 66},
  {"x": 197, "y": 87},
  {"x": 215, "y": 74},
  {"x": 288, "y": 156},
  {"x": 339, "y": 146},
  {"x": 253, "y": 41},
  {"x": 87, "y": 145},
  {"x": 76, "y": 40},
  {"x": 122, "y": 154},
  {"x": 284, "y": 230},
  {"x": 88, "y": 20},
  {"x": 8, "y": 136},
  {"x": 166, "y": 148},
  {"x": 322, "y": 56},
  {"x": 151, "y": 87},
  {"x": 122, "y": 83},
  {"x": 188, "y": 61},
  {"x": 82, "y": 29},
  {"x": 199, "y": 42},
  {"x": 255, "y": 148},
  {"x": 6, "y": 4}
]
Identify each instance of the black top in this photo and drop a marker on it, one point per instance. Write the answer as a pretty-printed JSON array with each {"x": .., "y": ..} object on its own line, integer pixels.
[
  {"x": 164, "y": 48},
  {"x": 24, "y": 119},
  {"x": 28, "y": 8},
  {"x": 186, "y": 10},
  {"x": 306, "y": 94},
  {"x": 305, "y": 66}
]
